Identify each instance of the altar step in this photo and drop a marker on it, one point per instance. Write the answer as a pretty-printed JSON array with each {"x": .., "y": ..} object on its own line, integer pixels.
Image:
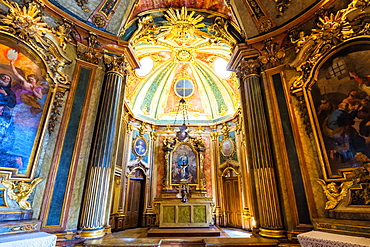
[{"x": 184, "y": 232}]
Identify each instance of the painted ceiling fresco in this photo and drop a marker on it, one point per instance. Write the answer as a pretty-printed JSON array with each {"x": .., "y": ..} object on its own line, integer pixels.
[
  {"x": 181, "y": 61},
  {"x": 181, "y": 52}
]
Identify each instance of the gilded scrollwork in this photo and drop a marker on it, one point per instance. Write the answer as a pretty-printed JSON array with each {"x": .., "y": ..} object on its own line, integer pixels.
[
  {"x": 334, "y": 193},
  {"x": 55, "y": 112},
  {"x": 219, "y": 32},
  {"x": 63, "y": 33},
  {"x": 331, "y": 30},
  {"x": 21, "y": 191},
  {"x": 272, "y": 55},
  {"x": 147, "y": 31}
]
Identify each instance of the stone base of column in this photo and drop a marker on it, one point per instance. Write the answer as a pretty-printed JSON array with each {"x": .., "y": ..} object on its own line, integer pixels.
[
  {"x": 270, "y": 233},
  {"x": 93, "y": 233}
]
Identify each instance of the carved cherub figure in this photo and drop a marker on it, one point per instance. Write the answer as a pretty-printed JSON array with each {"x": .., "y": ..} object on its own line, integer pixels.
[
  {"x": 21, "y": 191},
  {"x": 333, "y": 192}
]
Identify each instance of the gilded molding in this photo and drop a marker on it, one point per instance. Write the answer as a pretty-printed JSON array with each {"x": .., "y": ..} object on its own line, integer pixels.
[
  {"x": 57, "y": 104},
  {"x": 25, "y": 22},
  {"x": 89, "y": 53},
  {"x": 20, "y": 191},
  {"x": 333, "y": 192},
  {"x": 27, "y": 227},
  {"x": 115, "y": 64}
]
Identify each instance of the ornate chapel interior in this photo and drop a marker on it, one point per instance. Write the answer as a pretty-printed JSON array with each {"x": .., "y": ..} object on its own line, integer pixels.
[{"x": 183, "y": 114}]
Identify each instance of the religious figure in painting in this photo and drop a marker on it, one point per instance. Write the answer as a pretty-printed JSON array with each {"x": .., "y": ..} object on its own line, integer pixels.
[
  {"x": 7, "y": 96},
  {"x": 182, "y": 163},
  {"x": 29, "y": 90},
  {"x": 22, "y": 97}
]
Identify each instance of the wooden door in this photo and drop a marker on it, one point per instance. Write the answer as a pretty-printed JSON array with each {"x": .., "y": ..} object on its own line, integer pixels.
[
  {"x": 232, "y": 200},
  {"x": 135, "y": 202}
]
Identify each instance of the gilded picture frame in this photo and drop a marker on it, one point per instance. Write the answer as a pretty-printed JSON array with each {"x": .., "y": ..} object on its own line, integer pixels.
[
  {"x": 338, "y": 97},
  {"x": 227, "y": 147},
  {"x": 184, "y": 165},
  {"x": 26, "y": 121}
]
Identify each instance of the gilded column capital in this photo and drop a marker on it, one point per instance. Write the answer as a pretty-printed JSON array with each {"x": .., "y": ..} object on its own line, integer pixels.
[
  {"x": 115, "y": 64},
  {"x": 248, "y": 68}
]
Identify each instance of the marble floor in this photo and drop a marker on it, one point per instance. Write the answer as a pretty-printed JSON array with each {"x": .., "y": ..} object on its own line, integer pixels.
[{"x": 138, "y": 237}]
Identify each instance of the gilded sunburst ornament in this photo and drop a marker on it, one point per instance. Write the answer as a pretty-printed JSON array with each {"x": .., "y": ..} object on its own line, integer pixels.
[
  {"x": 183, "y": 27},
  {"x": 25, "y": 20}
]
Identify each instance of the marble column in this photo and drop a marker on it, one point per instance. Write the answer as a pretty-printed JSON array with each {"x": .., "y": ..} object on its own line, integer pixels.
[
  {"x": 269, "y": 218},
  {"x": 97, "y": 193}
]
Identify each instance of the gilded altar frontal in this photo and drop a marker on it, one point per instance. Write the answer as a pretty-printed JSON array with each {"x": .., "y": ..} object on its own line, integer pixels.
[{"x": 173, "y": 123}]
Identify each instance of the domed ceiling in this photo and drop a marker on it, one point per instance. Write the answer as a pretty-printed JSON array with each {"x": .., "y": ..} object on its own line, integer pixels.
[
  {"x": 183, "y": 47},
  {"x": 183, "y": 54}
]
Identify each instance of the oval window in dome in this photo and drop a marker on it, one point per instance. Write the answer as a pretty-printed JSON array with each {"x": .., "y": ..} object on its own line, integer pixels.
[
  {"x": 219, "y": 65},
  {"x": 146, "y": 66}
]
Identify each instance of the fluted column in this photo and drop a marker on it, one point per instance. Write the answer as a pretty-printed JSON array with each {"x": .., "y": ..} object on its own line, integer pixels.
[
  {"x": 94, "y": 209},
  {"x": 261, "y": 161}
]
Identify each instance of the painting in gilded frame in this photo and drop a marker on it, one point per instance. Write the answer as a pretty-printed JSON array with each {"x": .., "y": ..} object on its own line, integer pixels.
[
  {"x": 184, "y": 165},
  {"x": 341, "y": 100},
  {"x": 227, "y": 147},
  {"x": 23, "y": 93},
  {"x": 140, "y": 146}
]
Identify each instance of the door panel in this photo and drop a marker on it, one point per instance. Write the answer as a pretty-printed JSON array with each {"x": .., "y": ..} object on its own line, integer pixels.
[
  {"x": 134, "y": 205},
  {"x": 232, "y": 202}
]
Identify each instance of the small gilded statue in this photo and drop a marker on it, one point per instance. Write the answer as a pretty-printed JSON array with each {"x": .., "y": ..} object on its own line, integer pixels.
[
  {"x": 333, "y": 192},
  {"x": 21, "y": 191}
]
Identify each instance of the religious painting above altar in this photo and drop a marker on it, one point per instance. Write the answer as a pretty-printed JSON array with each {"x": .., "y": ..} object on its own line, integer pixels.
[
  {"x": 341, "y": 98},
  {"x": 184, "y": 165},
  {"x": 23, "y": 93}
]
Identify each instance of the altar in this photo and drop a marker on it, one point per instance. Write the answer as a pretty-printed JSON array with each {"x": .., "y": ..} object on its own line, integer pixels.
[
  {"x": 183, "y": 201},
  {"x": 191, "y": 214}
]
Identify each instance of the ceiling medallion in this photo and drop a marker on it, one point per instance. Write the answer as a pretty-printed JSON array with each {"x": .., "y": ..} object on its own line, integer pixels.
[
  {"x": 99, "y": 21},
  {"x": 184, "y": 55},
  {"x": 181, "y": 27}
]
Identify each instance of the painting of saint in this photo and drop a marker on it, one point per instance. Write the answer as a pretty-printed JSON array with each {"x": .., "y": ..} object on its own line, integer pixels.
[
  {"x": 341, "y": 99},
  {"x": 140, "y": 147},
  {"x": 23, "y": 93},
  {"x": 184, "y": 166}
]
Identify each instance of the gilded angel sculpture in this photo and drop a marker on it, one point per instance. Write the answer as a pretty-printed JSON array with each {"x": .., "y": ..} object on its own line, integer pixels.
[
  {"x": 334, "y": 193},
  {"x": 21, "y": 191}
]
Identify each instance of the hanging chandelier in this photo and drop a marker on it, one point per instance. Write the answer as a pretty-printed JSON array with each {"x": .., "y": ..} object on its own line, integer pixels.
[{"x": 183, "y": 131}]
